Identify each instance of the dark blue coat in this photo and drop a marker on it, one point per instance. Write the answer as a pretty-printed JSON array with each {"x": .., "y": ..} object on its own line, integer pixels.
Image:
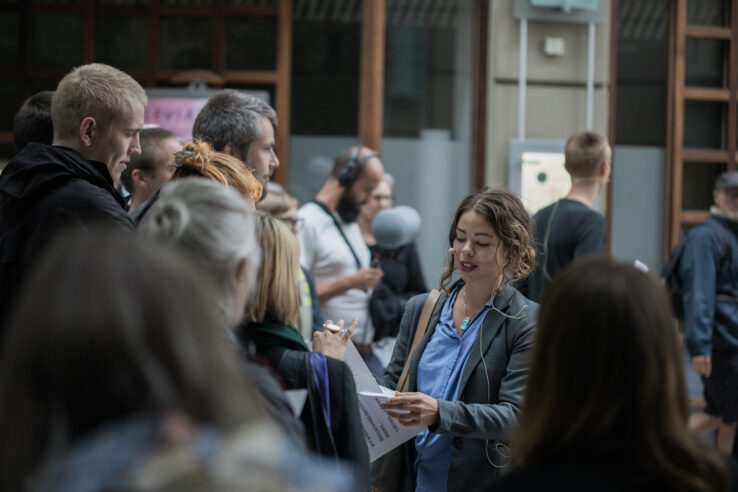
[{"x": 709, "y": 272}]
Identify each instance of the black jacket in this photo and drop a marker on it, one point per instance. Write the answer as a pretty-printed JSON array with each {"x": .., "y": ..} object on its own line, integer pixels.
[
  {"x": 343, "y": 436},
  {"x": 42, "y": 190},
  {"x": 402, "y": 280}
]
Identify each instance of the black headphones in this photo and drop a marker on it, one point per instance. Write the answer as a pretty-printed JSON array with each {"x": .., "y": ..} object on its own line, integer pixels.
[{"x": 348, "y": 174}]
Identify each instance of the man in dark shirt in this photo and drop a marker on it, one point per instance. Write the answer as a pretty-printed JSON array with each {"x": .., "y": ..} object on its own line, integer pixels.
[
  {"x": 97, "y": 113},
  {"x": 570, "y": 228}
]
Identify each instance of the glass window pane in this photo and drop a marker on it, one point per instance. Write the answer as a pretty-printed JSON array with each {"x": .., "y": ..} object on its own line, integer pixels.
[
  {"x": 698, "y": 180},
  {"x": 704, "y": 60},
  {"x": 325, "y": 75},
  {"x": 642, "y": 68},
  {"x": 703, "y": 125},
  {"x": 9, "y": 39},
  {"x": 708, "y": 13},
  {"x": 56, "y": 40},
  {"x": 122, "y": 41},
  {"x": 251, "y": 43},
  {"x": 9, "y": 102},
  {"x": 186, "y": 43}
]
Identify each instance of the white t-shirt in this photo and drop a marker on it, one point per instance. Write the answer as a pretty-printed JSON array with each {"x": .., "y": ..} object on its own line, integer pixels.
[{"x": 325, "y": 254}]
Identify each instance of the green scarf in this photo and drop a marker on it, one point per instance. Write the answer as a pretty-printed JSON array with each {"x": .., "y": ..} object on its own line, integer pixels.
[{"x": 272, "y": 333}]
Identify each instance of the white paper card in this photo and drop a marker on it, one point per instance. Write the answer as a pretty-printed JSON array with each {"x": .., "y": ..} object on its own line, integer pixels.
[{"x": 381, "y": 432}]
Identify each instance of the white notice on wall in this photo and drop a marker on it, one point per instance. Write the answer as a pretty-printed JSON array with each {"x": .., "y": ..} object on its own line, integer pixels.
[{"x": 381, "y": 432}]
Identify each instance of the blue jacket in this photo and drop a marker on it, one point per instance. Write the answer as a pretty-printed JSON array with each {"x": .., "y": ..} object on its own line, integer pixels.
[{"x": 709, "y": 275}]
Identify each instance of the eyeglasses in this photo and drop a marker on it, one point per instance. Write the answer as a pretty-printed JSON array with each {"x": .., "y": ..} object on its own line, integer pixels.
[
  {"x": 292, "y": 223},
  {"x": 379, "y": 198}
]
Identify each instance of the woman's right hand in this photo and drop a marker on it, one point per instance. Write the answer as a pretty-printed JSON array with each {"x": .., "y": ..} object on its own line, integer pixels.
[{"x": 333, "y": 343}]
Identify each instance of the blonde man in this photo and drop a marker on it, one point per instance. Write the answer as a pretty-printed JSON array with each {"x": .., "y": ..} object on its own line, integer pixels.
[
  {"x": 97, "y": 113},
  {"x": 570, "y": 228}
]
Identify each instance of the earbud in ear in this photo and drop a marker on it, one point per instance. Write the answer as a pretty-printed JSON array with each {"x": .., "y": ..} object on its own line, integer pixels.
[{"x": 451, "y": 251}]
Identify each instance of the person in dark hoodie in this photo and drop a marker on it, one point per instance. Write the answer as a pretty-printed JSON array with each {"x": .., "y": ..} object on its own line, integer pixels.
[{"x": 97, "y": 113}]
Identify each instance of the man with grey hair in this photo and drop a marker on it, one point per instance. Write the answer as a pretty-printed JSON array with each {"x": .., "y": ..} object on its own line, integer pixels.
[
  {"x": 708, "y": 270},
  {"x": 97, "y": 113},
  {"x": 243, "y": 126}
]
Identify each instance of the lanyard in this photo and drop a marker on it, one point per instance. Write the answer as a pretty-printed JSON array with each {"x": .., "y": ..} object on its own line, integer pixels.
[{"x": 340, "y": 230}]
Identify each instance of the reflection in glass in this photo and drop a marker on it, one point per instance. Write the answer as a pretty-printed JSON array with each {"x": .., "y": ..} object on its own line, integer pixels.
[
  {"x": 56, "y": 40},
  {"x": 122, "y": 41},
  {"x": 186, "y": 43}
]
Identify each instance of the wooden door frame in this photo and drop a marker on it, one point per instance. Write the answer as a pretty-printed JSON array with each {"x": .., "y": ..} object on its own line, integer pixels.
[{"x": 679, "y": 92}]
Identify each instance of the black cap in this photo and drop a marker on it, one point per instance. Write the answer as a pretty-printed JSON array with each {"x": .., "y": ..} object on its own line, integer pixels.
[{"x": 727, "y": 180}]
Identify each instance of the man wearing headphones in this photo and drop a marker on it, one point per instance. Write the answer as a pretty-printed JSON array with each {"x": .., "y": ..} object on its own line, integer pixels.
[{"x": 333, "y": 250}]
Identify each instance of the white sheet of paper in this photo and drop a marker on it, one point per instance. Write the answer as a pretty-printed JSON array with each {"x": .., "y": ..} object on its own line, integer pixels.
[
  {"x": 381, "y": 432},
  {"x": 638, "y": 264},
  {"x": 296, "y": 398}
]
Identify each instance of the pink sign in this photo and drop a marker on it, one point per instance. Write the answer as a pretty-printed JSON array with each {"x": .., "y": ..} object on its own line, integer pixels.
[{"x": 174, "y": 113}]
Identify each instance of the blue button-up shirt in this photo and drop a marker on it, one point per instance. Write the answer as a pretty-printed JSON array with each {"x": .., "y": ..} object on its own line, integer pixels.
[{"x": 439, "y": 375}]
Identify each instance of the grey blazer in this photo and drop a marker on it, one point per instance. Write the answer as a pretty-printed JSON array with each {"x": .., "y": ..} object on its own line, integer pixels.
[{"x": 488, "y": 405}]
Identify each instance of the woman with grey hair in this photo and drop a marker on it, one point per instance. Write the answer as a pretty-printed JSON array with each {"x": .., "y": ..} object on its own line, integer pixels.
[{"x": 214, "y": 227}]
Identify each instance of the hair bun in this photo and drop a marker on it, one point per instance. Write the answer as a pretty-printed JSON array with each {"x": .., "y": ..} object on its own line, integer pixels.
[
  {"x": 195, "y": 155},
  {"x": 168, "y": 219}
]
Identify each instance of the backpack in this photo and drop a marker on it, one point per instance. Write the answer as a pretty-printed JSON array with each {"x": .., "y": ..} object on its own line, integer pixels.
[{"x": 670, "y": 272}]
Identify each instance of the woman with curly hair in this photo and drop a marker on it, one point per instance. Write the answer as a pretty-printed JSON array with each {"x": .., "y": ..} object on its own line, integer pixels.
[{"x": 466, "y": 376}]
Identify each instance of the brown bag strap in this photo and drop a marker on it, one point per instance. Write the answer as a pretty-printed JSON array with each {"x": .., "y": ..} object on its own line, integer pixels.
[{"x": 430, "y": 303}]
